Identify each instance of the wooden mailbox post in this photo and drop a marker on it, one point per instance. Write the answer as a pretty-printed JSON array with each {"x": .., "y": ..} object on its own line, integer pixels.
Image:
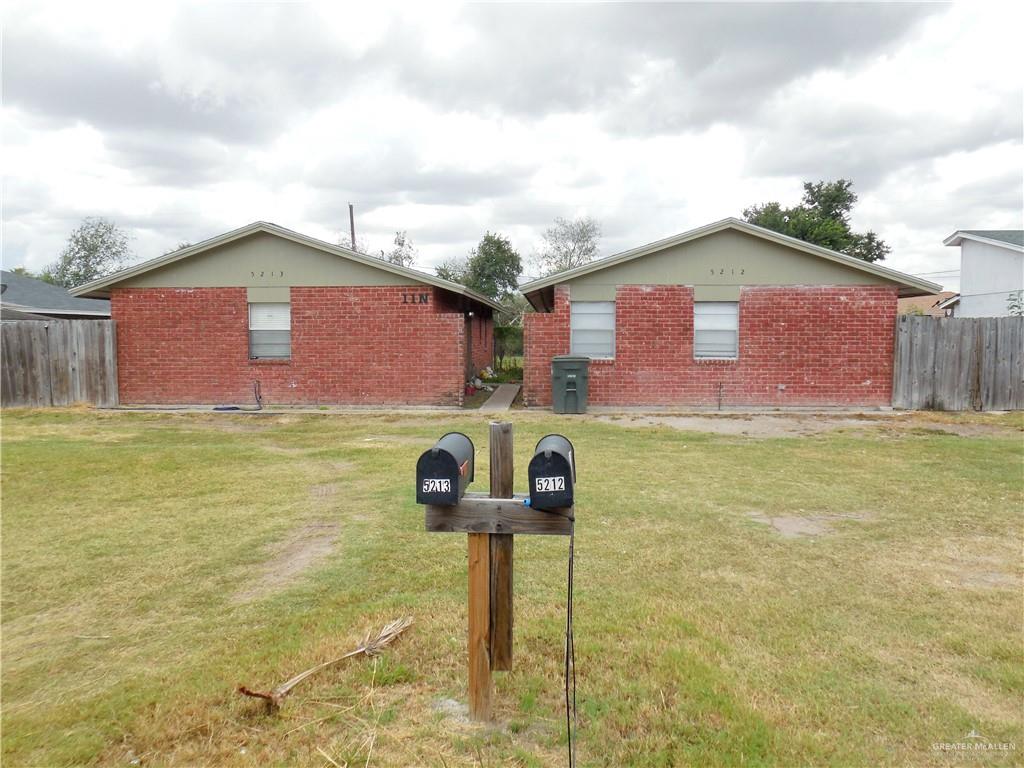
[{"x": 491, "y": 521}]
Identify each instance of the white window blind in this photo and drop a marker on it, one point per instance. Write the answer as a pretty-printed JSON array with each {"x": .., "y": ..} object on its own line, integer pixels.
[
  {"x": 592, "y": 327},
  {"x": 716, "y": 329},
  {"x": 270, "y": 330}
]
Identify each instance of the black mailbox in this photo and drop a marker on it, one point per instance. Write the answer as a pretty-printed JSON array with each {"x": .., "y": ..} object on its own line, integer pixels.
[
  {"x": 443, "y": 472},
  {"x": 552, "y": 473}
]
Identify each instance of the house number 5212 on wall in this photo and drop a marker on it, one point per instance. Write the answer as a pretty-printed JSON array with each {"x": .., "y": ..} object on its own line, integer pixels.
[{"x": 728, "y": 271}]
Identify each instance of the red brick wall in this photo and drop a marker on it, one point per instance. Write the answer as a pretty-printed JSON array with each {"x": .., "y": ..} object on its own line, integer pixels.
[
  {"x": 545, "y": 334},
  {"x": 825, "y": 345},
  {"x": 350, "y": 345}
]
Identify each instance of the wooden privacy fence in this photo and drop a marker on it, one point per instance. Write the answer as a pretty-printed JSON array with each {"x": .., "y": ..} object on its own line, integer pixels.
[
  {"x": 959, "y": 364},
  {"x": 58, "y": 362}
]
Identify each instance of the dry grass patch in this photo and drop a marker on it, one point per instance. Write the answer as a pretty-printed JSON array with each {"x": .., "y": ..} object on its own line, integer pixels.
[
  {"x": 704, "y": 637},
  {"x": 302, "y": 551}
]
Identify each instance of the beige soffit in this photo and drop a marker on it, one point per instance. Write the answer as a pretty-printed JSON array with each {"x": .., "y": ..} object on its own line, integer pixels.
[
  {"x": 103, "y": 284},
  {"x": 732, "y": 223}
]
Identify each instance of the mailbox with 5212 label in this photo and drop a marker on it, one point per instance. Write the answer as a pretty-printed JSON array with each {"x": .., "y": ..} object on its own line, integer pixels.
[
  {"x": 552, "y": 473},
  {"x": 444, "y": 471}
]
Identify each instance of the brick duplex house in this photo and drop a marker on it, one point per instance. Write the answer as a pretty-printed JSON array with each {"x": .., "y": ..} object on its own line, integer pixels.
[
  {"x": 313, "y": 323},
  {"x": 730, "y": 314}
]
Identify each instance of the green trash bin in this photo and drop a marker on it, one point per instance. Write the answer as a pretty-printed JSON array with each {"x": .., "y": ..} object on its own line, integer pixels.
[{"x": 570, "y": 375}]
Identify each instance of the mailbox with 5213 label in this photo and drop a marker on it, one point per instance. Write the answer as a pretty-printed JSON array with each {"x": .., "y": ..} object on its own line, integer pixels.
[
  {"x": 444, "y": 471},
  {"x": 552, "y": 473}
]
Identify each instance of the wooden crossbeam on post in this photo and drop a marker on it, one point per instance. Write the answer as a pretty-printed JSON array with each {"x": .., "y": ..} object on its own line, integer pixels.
[{"x": 482, "y": 514}]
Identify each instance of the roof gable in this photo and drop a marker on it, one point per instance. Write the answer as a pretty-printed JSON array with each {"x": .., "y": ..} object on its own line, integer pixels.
[
  {"x": 266, "y": 254},
  {"x": 263, "y": 259},
  {"x": 819, "y": 262}
]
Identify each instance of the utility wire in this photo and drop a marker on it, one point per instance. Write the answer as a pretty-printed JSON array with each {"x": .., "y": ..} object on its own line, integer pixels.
[{"x": 571, "y": 720}]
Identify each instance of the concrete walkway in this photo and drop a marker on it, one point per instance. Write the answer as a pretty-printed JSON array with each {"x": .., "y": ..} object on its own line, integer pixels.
[{"x": 501, "y": 399}]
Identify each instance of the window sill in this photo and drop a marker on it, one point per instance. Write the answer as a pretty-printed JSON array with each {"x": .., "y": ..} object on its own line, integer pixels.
[
  {"x": 270, "y": 361},
  {"x": 716, "y": 360}
]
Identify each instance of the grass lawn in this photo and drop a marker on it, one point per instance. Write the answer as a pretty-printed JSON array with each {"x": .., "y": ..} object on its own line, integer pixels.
[{"x": 850, "y": 598}]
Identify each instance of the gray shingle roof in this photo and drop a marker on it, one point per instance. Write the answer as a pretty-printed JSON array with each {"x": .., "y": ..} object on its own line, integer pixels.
[
  {"x": 36, "y": 295},
  {"x": 6, "y": 313},
  {"x": 1011, "y": 236}
]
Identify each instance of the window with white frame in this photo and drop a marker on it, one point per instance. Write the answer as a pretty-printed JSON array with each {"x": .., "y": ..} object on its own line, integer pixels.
[
  {"x": 716, "y": 326},
  {"x": 592, "y": 327},
  {"x": 270, "y": 331}
]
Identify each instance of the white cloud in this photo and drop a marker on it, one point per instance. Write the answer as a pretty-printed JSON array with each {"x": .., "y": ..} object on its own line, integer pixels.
[{"x": 181, "y": 122}]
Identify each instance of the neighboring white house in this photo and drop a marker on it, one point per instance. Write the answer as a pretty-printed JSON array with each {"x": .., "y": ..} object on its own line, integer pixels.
[{"x": 991, "y": 269}]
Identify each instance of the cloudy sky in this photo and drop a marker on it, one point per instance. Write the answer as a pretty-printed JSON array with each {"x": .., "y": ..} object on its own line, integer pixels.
[{"x": 180, "y": 122}]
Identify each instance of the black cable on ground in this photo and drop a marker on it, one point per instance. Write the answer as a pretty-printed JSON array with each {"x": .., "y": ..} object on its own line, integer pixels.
[{"x": 256, "y": 393}]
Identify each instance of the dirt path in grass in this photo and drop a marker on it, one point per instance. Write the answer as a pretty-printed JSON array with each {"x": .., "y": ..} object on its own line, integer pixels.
[
  {"x": 745, "y": 425},
  {"x": 301, "y": 551},
  {"x": 771, "y": 425},
  {"x": 795, "y": 527}
]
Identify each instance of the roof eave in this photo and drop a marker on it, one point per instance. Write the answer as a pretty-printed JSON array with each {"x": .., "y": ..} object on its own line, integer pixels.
[
  {"x": 59, "y": 311},
  {"x": 539, "y": 301},
  {"x": 958, "y": 237}
]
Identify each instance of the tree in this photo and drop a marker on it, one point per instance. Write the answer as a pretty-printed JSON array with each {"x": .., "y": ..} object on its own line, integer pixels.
[
  {"x": 96, "y": 248},
  {"x": 25, "y": 272},
  {"x": 569, "y": 244},
  {"x": 345, "y": 241},
  {"x": 512, "y": 310},
  {"x": 493, "y": 267},
  {"x": 403, "y": 253},
  {"x": 179, "y": 247},
  {"x": 822, "y": 218},
  {"x": 454, "y": 269},
  {"x": 1015, "y": 304}
]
